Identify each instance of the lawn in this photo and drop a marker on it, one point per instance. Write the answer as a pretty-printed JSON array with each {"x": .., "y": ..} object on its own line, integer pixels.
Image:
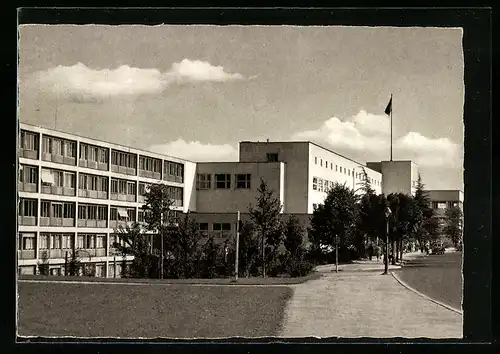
[{"x": 150, "y": 311}]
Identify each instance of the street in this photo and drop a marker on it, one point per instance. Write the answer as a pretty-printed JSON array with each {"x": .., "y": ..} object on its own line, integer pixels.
[{"x": 437, "y": 276}]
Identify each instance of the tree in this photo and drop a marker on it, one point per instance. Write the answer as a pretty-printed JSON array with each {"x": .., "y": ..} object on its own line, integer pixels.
[
  {"x": 43, "y": 266},
  {"x": 182, "y": 243},
  {"x": 249, "y": 248},
  {"x": 337, "y": 216},
  {"x": 401, "y": 221},
  {"x": 266, "y": 218},
  {"x": 137, "y": 244},
  {"x": 73, "y": 265},
  {"x": 421, "y": 213},
  {"x": 453, "y": 224},
  {"x": 293, "y": 232},
  {"x": 157, "y": 215}
]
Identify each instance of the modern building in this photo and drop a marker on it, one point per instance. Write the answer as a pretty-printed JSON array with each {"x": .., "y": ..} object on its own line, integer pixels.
[
  {"x": 74, "y": 192},
  {"x": 442, "y": 199}
]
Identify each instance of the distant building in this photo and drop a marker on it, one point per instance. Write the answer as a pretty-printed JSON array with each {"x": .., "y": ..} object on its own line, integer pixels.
[
  {"x": 74, "y": 192},
  {"x": 442, "y": 199}
]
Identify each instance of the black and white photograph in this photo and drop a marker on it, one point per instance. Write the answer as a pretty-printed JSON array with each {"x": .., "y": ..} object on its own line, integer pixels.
[{"x": 252, "y": 181}]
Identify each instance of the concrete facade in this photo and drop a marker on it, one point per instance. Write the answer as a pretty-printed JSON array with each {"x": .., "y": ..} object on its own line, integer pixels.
[
  {"x": 399, "y": 176},
  {"x": 74, "y": 192}
]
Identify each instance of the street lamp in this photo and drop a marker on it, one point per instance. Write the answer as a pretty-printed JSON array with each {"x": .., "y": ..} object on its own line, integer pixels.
[{"x": 387, "y": 213}]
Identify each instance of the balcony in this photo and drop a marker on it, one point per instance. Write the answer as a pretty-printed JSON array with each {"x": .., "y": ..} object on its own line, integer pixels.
[
  {"x": 115, "y": 224},
  {"x": 27, "y": 187},
  {"x": 172, "y": 178},
  {"x": 91, "y": 223},
  {"x": 114, "y": 168},
  {"x": 86, "y": 253},
  {"x": 103, "y": 166},
  {"x": 85, "y": 193},
  {"x": 122, "y": 197},
  {"x": 53, "y": 190},
  {"x": 57, "y": 222},
  {"x": 69, "y": 191},
  {"x": 26, "y": 254},
  {"x": 131, "y": 171},
  {"x": 69, "y": 160},
  {"x": 141, "y": 199},
  {"x": 26, "y": 220},
  {"x": 29, "y": 154}
]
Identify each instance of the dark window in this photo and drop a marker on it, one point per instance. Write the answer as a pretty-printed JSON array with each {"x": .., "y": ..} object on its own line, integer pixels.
[{"x": 272, "y": 157}]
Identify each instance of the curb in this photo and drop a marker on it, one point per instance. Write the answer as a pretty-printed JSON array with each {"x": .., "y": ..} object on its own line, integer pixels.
[{"x": 425, "y": 296}]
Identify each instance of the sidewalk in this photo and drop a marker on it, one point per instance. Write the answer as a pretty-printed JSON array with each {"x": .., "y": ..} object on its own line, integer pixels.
[
  {"x": 365, "y": 304},
  {"x": 367, "y": 265}
]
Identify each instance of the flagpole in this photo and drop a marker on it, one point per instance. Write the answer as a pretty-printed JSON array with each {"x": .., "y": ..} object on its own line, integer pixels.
[{"x": 391, "y": 125}]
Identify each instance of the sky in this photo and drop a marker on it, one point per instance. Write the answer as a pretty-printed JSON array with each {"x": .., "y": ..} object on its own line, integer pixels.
[{"x": 195, "y": 91}]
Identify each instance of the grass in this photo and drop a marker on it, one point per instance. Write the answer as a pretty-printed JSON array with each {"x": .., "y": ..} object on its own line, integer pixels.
[
  {"x": 439, "y": 277},
  {"x": 215, "y": 281},
  {"x": 131, "y": 311}
]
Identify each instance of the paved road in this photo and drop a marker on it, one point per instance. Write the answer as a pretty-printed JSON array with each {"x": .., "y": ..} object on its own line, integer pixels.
[{"x": 437, "y": 276}]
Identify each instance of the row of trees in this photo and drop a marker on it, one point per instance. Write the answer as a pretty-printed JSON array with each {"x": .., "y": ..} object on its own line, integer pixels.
[
  {"x": 268, "y": 244},
  {"x": 358, "y": 219}
]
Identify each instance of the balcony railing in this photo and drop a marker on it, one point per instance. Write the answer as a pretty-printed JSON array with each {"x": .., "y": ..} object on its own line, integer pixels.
[
  {"x": 91, "y": 223},
  {"x": 85, "y": 253},
  {"x": 27, "y": 187},
  {"x": 172, "y": 178},
  {"x": 123, "y": 170},
  {"x": 29, "y": 154},
  {"x": 27, "y": 220},
  {"x": 59, "y": 159},
  {"x": 149, "y": 174},
  {"x": 86, "y": 193},
  {"x": 122, "y": 197},
  {"x": 115, "y": 224},
  {"x": 58, "y": 222},
  {"x": 26, "y": 254}
]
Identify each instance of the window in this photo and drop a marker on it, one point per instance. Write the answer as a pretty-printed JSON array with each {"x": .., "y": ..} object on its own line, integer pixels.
[
  {"x": 55, "y": 242},
  {"x": 80, "y": 241},
  {"x": 58, "y": 178},
  {"x": 272, "y": 157},
  {"x": 203, "y": 228},
  {"x": 331, "y": 166},
  {"x": 223, "y": 181},
  {"x": 28, "y": 174},
  {"x": 122, "y": 186},
  {"x": 315, "y": 160},
  {"x": 45, "y": 206},
  {"x": 70, "y": 148},
  {"x": 441, "y": 205},
  {"x": 57, "y": 210},
  {"x": 340, "y": 169},
  {"x": 326, "y": 164},
  {"x": 142, "y": 188},
  {"x": 114, "y": 186},
  {"x": 321, "y": 162},
  {"x": 131, "y": 188},
  {"x": 243, "y": 181},
  {"x": 131, "y": 214},
  {"x": 176, "y": 195},
  {"x": 203, "y": 181},
  {"x": 44, "y": 241},
  {"x": 348, "y": 172},
  {"x": 69, "y": 179},
  {"x": 336, "y": 168},
  {"x": 103, "y": 155},
  {"x": 315, "y": 183},
  {"x": 69, "y": 211},
  {"x": 90, "y": 241},
  {"x": 320, "y": 185},
  {"x": 92, "y": 212},
  {"x": 27, "y": 242},
  {"x": 82, "y": 212},
  {"x": 29, "y": 140},
  {"x": 28, "y": 207},
  {"x": 67, "y": 241},
  {"x": 140, "y": 216},
  {"x": 100, "y": 241},
  {"x": 102, "y": 212},
  {"x": 221, "y": 229},
  {"x": 113, "y": 213},
  {"x": 57, "y": 147}
]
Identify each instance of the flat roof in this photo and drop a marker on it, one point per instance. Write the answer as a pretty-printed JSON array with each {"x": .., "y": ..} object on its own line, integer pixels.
[
  {"x": 104, "y": 141},
  {"x": 312, "y": 143}
]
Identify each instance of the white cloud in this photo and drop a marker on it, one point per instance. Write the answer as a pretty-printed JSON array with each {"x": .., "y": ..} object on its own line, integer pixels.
[
  {"x": 200, "y": 71},
  {"x": 80, "y": 82},
  {"x": 366, "y": 137},
  {"x": 197, "y": 151}
]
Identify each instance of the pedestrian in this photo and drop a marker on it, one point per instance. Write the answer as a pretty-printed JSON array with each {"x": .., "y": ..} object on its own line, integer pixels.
[{"x": 370, "y": 251}]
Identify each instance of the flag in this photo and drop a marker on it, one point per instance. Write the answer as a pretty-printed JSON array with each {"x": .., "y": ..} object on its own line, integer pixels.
[{"x": 388, "y": 109}]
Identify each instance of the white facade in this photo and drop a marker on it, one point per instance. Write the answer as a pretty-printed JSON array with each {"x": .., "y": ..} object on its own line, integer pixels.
[
  {"x": 75, "y": 191},
  {"x": 399, "y": 176}
]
